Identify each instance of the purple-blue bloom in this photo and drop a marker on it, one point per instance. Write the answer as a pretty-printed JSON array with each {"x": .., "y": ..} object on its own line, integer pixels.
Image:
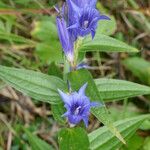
[
  {"x": 85, "y": 18},
  {"x": 78, "y": 106},
  {"x": 77, "y": 18},
  {"x": 65, "y": 39}
]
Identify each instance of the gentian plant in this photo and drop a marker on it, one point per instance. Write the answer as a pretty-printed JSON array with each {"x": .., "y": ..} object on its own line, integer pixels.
[
  {"x": 75, "y": 97},
  {"x": 77, "y": 19}
]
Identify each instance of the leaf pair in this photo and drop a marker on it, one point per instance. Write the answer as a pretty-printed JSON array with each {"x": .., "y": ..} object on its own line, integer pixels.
[
  {"x": 44, "y": 88},
  {"x": 100, "y": 139}
]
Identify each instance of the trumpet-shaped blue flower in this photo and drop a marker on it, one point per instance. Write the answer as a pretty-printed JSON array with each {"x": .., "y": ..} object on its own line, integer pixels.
[
  {"x": 65, "y": 38},
  {"x": 77, "y": 18},
  {"x": 85, "y": 19},
  {"x": 78, "y": 106}
]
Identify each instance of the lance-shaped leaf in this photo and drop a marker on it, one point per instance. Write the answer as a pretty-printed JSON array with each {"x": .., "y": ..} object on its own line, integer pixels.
[
  {"x": 35, "y": 84},
  {"x": 103, "y": 139},
  {"x": 105, "y": 43},
  {"x": 80, "y": 77},
  {"x": 73, "y": 139},
  {"x": 43, "y": 31},
  {"x": 112, "y": 89}
]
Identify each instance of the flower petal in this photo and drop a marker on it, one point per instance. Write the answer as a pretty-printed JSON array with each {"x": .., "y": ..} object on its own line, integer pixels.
[
  {"x": 81, "y": 91},
  {"x": 72, "y": 6},
  {"x": 65, "y": 39},
  {"x": 73, "y": 26},
  {"x": 96, "y": 104},
  {"x": 92, "y": 3},
  {"x": 65, "y": 114},
  {"x": 74, "y": 119},
  {"x": 82, "y": 65},
  {"x": 103, "y": 17},
  {"x": 93, "y": 34},
  {"x": 85, "y": 119},
  {"x": 65, "y": 97}
]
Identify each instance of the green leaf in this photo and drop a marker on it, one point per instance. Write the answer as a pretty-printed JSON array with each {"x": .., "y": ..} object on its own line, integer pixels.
[
  {"x": 49, "y": 52},
  {"x": 73, "y": 139},
  {"x": 49, "y": 49},
  {"x": 139, "y": 67},
  {"x": 107, "y": 27},
  {"x": 121, "y": 112},
  {"x": 36, "y": 143},
  {"x": 145, "y": 125},
  {"x": 35, "y": 84},
  {"x": 57, "y": 111},
  {"x": 45, "y": 30},
  {"x": 105, "y": 44},
  {"x": 103, "y": 139},
  {"x": 55, "y": 70},
  {"x": 112, "y": 89},
  {"x": 134, "y": 143},
  {"x": 80, "y": 77},
  {"x": 130, "y": 110},
  {"x": 146, "y": 144}
]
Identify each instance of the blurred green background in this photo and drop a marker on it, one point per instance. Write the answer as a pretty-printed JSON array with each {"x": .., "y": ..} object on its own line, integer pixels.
[{"x": 28, "y": 39}]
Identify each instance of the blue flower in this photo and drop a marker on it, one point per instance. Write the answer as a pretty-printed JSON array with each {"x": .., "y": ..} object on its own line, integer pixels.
[
  {"x": 77, "y": 18},
  {"x": 85, "y": 3},
  {"x": 65, "y": 38},
  {"x": 85, "y": 19},
  {"x": 78, "y": 106},
  {"x": 88, "y": 20}
]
